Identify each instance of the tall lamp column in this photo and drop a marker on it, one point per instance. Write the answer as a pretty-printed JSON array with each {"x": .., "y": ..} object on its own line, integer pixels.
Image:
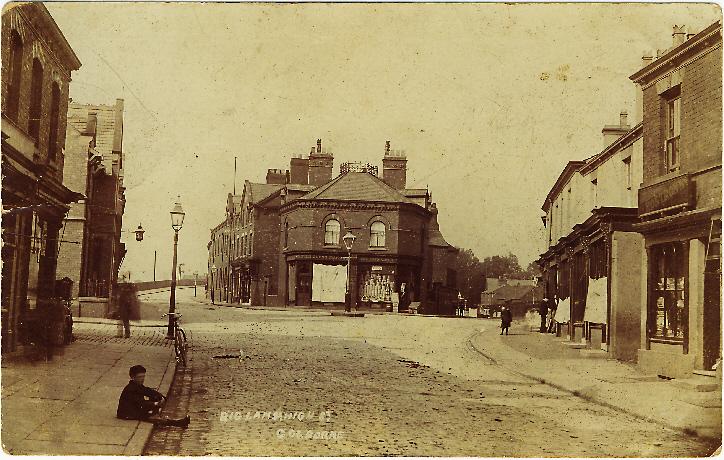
[
  {"x": 177, "y": 221},
  {"x": 348, "y": 242}
]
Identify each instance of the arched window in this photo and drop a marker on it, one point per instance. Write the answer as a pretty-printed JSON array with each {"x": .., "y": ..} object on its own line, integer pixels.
[
  {"x": 36, "y": 100},
  {"x": 54, "y": 120},
  {"x": 16, "y": 67},
  {"x": 331, "y": 232},
  {"x": 377, "y": 235}
]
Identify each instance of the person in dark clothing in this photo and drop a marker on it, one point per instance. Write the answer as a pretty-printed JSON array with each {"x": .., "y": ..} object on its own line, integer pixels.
[
  {"x": 138, "y": 402},
  {"x": 506, "y": 317},
  {"x": 543, "y": 310}
]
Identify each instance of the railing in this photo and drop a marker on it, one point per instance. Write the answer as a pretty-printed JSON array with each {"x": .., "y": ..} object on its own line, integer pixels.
[
  {"x": 95, "y": 288},
  {"x": 674, "y": 194},
  {"x": 355, "y": 166}
]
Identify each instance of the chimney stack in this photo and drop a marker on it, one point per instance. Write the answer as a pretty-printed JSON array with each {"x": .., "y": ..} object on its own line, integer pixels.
[
  {"x": 613, "y": 132},
  {"x": 320, "y": 165},
  {"x": 679, "y": 35},
  {"x": 276, "y": 176},
  {"x": 299, "y": 170},
  {"x": 394, "y": 168}
]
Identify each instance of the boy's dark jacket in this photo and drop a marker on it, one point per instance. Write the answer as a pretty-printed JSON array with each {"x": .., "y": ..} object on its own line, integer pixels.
[{"x": 133, "y": 405}]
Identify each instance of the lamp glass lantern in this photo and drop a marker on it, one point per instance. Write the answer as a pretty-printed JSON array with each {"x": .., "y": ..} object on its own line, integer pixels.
[
  {"x": 139, "y": 233},
  {"x": 349, "y": 240},
  {"x": 177, "y": 216}
]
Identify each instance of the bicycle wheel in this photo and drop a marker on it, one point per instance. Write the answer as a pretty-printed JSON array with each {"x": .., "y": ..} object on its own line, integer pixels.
[
  {"x": 177, "y": 350},
  {"x": 180, "y": 344}
]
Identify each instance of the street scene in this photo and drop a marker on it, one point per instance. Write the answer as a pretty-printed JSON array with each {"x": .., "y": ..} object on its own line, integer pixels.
[{"x": 451, "y": 230}]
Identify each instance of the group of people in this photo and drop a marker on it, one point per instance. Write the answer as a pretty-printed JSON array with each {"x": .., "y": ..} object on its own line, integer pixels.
[{"x": 546, "y": 310}]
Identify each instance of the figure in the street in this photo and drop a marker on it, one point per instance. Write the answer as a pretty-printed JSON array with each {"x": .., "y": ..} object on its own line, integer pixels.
[
  {"x": 506, "y": 317},
  {"x": 543, "y": 310},
  {"x": 138, "y": 402},
  {"x": 128, "y": 308}
]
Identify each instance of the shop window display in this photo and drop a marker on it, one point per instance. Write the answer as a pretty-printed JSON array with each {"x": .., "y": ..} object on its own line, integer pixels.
[{"x": 668, "y": 307}]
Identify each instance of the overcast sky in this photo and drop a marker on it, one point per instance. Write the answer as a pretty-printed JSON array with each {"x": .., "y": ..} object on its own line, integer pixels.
[{"x": 490, "y": 101}]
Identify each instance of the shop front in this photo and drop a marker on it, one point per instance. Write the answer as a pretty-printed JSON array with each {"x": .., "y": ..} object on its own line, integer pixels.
[{"x": 379, "y": 283}]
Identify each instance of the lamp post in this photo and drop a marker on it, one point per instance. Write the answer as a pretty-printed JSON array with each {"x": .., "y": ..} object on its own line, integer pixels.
[
  {"x": 213, "y": 285},
  {"x": 177, "y": 221},
  {"x": 196, "y": 278},
  {"x": 348, "y": 242}
]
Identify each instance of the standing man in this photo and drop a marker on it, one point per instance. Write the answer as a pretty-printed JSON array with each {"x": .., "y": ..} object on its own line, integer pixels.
[{"x": 543, "y": 310}]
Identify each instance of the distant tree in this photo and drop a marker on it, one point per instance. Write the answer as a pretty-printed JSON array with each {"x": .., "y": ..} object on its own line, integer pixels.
[
  {"x": 497, "y": 266},
  {"x": 472, "y": 273}
]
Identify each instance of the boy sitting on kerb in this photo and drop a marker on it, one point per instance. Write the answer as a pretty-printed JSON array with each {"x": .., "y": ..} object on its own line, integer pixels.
[{"x": 138, "y": 402}]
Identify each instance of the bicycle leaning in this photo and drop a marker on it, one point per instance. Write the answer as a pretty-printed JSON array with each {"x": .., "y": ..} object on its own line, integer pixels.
[{"x": 180, "y": 345}]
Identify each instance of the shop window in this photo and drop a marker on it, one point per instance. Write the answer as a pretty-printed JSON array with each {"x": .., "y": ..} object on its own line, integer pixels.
[
  {"x": 36, "y": 100},
  {"x": 377, "y": 235},
  {"x": 668, "y": 305},
  {"x": 16, "y": 66},
  {"x": 673, "y": 131},
  {"x": 598, "y": 260},
  {"x": 331, "y": 232}
]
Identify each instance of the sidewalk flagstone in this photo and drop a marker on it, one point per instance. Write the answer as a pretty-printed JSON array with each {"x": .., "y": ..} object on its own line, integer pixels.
[{"x": 67, "y": 406}]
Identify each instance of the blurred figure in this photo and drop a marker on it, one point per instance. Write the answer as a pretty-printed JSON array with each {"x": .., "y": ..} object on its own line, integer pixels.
[
  {"x": 128, "y": 308},
  {"x": 506, "y": 317}
]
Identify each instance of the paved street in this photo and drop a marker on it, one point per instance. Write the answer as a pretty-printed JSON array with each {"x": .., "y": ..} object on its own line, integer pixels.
[{"x": 393, "y": 385}]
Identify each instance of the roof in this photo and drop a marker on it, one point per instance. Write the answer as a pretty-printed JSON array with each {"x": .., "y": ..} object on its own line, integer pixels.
[
  {"x": 565, "y": 175},
  {"x": 357, "y": 186},
  {"x": 622, "y": 142},
  {"x": 512, "y": 293},
  {"x": 258, "y": 192},
  {"x": 659, "y": 64}
]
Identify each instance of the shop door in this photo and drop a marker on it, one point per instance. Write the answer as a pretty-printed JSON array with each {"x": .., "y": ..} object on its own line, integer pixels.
[
  {"x": 712, "y": 314},
  {"x": 304, "y": 289}
]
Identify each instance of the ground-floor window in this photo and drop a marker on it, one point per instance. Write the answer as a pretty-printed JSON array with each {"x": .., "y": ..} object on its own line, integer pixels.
[{"x": 668, "y": 303}]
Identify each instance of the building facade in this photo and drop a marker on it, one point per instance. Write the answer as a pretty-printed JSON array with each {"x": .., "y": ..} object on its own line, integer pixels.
[
  {"x": 36, "y": 72},
  {"x": 679, "y": 208},
  {"x": 282, "y": 245},
  {"x": 591, "y": 265},
  {"x": 92, "y": 250}
]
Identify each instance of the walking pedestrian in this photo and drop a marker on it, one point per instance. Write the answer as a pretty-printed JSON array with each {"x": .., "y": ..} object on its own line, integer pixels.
[
  {"x": 506, "y": 317},
  {"x": 128, "y": 308}
]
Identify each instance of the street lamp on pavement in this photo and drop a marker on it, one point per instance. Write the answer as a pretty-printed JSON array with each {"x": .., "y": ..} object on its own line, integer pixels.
[
  {"x": 348, "y": 242},
  {"x": 177, "y": 221}
]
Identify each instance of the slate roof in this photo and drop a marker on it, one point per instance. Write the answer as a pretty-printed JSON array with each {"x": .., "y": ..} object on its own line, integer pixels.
[
  {"x": 259, "y": 192},
  {"x": 513, "y": 293},
  {"x": 357, "y": 186}
]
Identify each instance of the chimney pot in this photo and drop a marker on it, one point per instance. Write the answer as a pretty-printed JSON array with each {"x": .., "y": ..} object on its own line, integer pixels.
[
  {"x": 387, "y": 147},
  {"x": 624, "y": 118},
  {"x": 319, "y": 145}
]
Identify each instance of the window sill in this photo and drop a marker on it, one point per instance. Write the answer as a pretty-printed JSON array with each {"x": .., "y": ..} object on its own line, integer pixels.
[
  {"x": 376, "y": 248},
  {"x": 332, "y": 246}
]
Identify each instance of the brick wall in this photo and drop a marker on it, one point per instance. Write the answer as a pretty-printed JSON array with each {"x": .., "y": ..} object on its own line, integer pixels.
[
  {"x": 70, "y": 254},
  {"x": 33, "y": 47}
]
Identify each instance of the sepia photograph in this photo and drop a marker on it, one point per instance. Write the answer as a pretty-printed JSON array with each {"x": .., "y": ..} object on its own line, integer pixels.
[{"x": 319, "y": 229}]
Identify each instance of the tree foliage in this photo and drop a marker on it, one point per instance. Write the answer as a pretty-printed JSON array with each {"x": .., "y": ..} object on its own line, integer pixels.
[{"x": 472, "y": 272}]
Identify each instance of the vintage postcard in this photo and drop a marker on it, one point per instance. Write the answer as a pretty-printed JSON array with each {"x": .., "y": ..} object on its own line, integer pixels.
[{"x": 361, "y": 229}]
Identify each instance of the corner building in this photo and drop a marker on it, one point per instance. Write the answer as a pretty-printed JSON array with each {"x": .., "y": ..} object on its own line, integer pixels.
[{"x": 290, "y": 249}]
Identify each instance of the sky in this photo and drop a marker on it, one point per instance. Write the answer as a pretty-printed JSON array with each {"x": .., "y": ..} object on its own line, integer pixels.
[{"x": 490, "y": 101}]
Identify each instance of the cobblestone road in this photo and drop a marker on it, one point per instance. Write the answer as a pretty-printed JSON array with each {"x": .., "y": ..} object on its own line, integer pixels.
[{"x": 379, "y": 403}]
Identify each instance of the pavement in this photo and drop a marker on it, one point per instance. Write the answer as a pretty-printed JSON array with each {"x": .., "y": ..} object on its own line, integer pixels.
[
  {"x": 67, "y": 405},
  {"x": 607, "y": 382}
]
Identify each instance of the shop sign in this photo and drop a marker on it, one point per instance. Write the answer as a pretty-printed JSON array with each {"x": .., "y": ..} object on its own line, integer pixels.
[{"x": 376, "y": 268}]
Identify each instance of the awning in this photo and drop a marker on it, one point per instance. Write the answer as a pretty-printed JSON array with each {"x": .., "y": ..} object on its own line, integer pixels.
[{"x": 563, "y": 311}]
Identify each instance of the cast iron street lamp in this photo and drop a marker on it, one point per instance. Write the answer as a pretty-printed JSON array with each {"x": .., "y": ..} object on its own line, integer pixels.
[
  {"x": 177, "y": 221},
  {"x": 348, "y": 242}
]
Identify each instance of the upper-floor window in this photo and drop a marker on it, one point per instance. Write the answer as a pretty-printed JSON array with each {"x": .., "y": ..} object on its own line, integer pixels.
[
  {"x": 673, "y": 132},
  {"x": 36, "y": 100},
  {"x": 331, "y": 232},
  {"x": 377, "y": 235},
  {"x": 16, "y": 67},
  {"x": 54, "y": 121}
]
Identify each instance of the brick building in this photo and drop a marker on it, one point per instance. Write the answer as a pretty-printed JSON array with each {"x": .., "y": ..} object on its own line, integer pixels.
[
  {"x": 281, "y": 242},
  {"x": 92, "y": 252},
  {"x": 36, "y": 72},
  {"x": 679, "y": 204}
]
